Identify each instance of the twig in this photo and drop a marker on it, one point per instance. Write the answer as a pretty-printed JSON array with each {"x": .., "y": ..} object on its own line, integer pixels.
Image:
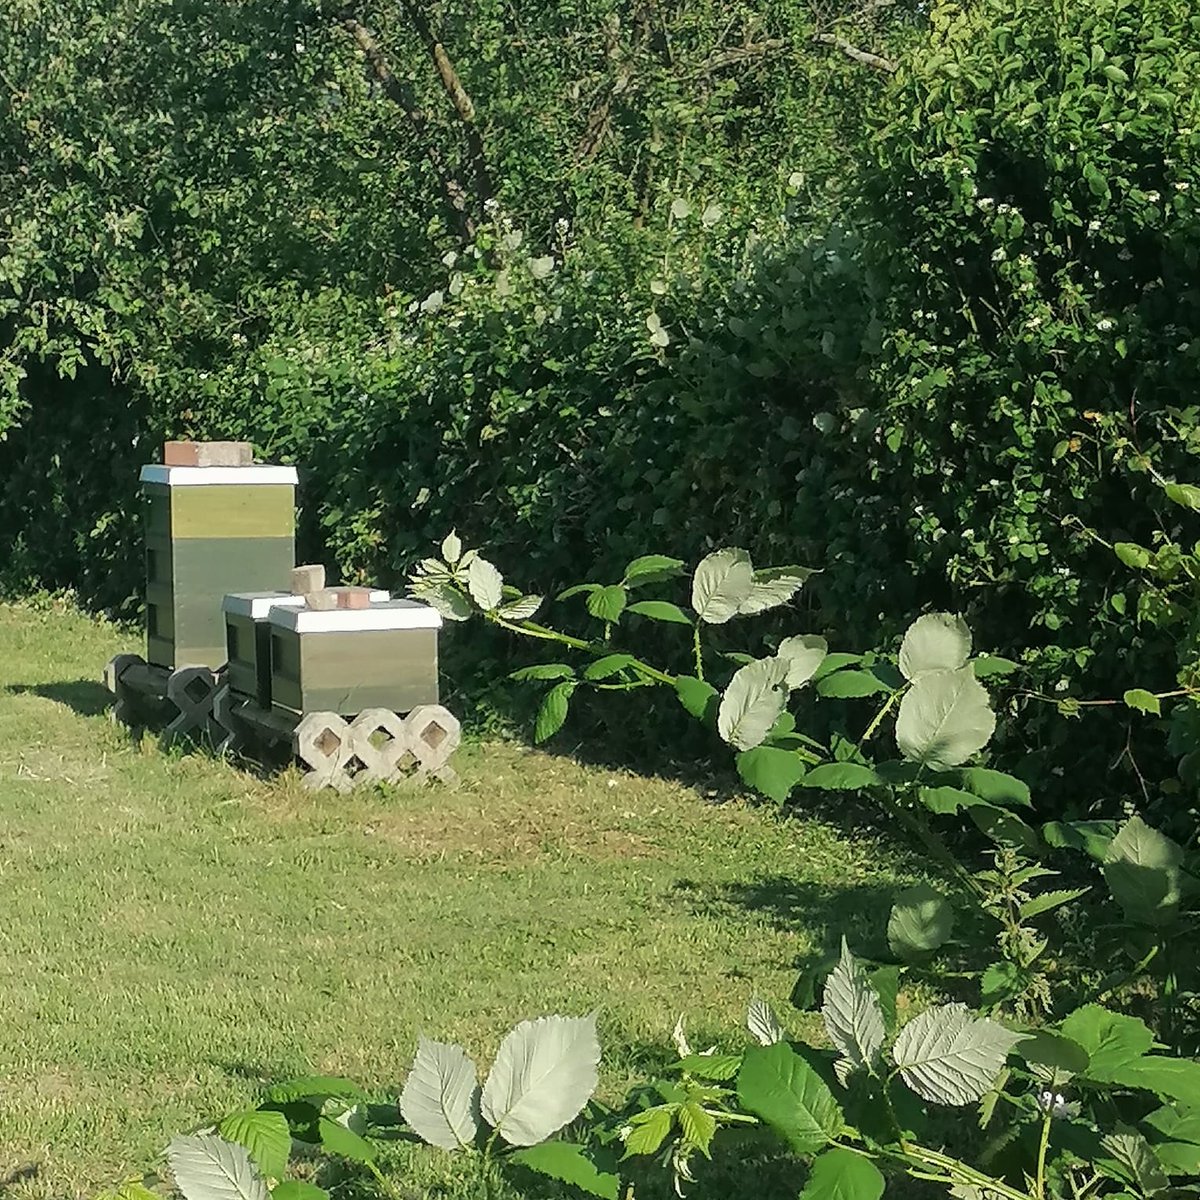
[{"x": 861, "y": 56}]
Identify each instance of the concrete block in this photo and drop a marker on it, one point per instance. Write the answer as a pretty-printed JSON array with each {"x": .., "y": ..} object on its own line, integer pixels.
[
  {"x": 208, "y": 454},
  {"x": 322, "y": 600},
  {"x": 307, "y": 578}
]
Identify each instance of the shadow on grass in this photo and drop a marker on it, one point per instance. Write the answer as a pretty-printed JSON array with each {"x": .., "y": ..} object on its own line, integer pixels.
[
  {"x": 85, "y": 696},
  {"x": 825, "y": 911}
]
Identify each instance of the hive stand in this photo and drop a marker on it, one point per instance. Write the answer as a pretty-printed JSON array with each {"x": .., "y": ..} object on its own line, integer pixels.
[
  {"x": 180, "y": 699},
  {"x": 376, "y": 746}
]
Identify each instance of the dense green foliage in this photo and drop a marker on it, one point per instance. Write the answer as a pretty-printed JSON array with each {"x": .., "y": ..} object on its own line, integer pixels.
[{"x": 646, "y": 284}]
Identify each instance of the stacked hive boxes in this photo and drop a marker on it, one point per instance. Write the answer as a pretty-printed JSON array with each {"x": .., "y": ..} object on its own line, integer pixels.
[
  {"x": 248, "y": 639},
  {"x": 215, "y": 523}
]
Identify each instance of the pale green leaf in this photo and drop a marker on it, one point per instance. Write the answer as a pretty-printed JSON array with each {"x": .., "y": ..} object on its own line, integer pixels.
[
  {"x": 648, "y": 1130},
  {"x": 773, "y": 587},
  {"x": 697, "y": 1125},
  {"x": 1000, "y": 982},
  {"x": 988, "y": 665},
  {"x": 1062, "y": 1054},
  {"x": 949, "y": 1056},
  {"x": 752, "y": 702},
  {"x": 452, "y": 548},
  {"x": 1144, "y": 871},
  {"x": 1170, "y": 1078},
  {"x": 606, "y": 667},
  {"x": 695, "y": 695},
  {"x": 996, "y": 787},
  {"x": 849, "y": 685},
  {"x": 337, "y": 1138},
  {"x": 521, "y": 609},
  {"x": 852, "y": 1014},
  {"x": 543, "y": 671},
  {"x": 1141, "y": 700},
  {"x": 651, "y": 568},
  {"x": 945, "y": 717},
  {"x": 440, "y": 1099},
  {"x": 722, "y": 583},
  {"x": 297, "y": 1189},
  {"x": 763, "y": 1024},
  {"x": 841, "y": 777},
  {"x": 485, "y": 584},
  {"x": 1135, "y": 1161},
  {"x": 553, "y": 711},
  {"x": 607, "y": 603},
  {"x": 544, "y": 1073},
  {"x": 803, "y": 655},
  {"x": 935, "y": 642},
  {"x": 714, "y": 1067},
  {"x": 945, "y": 800},
  {"x": 1185, "y": 494},
  {"x": 1048, "y": 901},
  {"x": 444, "y": 597},
  {"x": 207, "y": 1167},
  {"x": 660, "y": 610}
]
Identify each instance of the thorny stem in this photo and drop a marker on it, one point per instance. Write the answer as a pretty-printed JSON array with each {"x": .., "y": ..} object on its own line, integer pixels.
[
  {"x": 883, "y": 712},
  {"x": 530, "y": 629},
  {"x": 1043, "y": 1146},
  {"x": 699, "y": 652},
  {"x": 928, "y": 837},
  {"x": 954, "y": 1171}
]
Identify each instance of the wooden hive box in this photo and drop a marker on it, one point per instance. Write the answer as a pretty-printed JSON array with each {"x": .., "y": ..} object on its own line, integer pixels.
[
  {"x": 248, "y": 640},
  {"x": 211, "y": 531},
  {"x": 347, "y": 660}
]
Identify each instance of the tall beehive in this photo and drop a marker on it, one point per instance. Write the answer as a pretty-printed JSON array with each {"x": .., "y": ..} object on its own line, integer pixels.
[
  {"x": 347, "y": 660},
  {"x": 211, "y": 531}
]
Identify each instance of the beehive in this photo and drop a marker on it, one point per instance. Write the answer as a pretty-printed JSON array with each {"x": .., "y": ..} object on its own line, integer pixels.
[
  {"x": 211, "y": 531},
  {"x": 347, "y": 660},
  {"x": 248, "y": 639}
]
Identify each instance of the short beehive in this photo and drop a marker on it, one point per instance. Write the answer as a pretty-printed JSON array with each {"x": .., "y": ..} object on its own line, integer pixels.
[
  {"x": 347, "y": 660},
  {"x": 211, "y": 531},
  {"x": 248, "y": 640}
]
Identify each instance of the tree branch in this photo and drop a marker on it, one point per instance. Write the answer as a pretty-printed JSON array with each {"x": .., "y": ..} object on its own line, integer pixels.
[
  {"x": 737, "y": 54},
  {"x": 458, "y": 97},
  {"x": 402, "y": 95},
  {"x": 862, "y": 56}
]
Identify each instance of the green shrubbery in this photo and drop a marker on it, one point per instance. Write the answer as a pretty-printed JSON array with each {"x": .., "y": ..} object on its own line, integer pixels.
[{"x": 937, "y": 394}]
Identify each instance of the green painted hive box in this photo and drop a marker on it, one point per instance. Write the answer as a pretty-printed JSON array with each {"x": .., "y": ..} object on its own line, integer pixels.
[
  {"x": 248, "y": 640},
  {"x": 383, "y": 656},
  {"x": 211, "y": 531}
]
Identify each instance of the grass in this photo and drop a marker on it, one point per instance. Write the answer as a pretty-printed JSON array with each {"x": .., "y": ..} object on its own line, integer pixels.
[{"x": 178, "y": 933}]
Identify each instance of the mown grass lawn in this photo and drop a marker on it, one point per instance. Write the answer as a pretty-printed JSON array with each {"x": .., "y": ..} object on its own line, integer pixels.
[{"x": 178, "y": 932}]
